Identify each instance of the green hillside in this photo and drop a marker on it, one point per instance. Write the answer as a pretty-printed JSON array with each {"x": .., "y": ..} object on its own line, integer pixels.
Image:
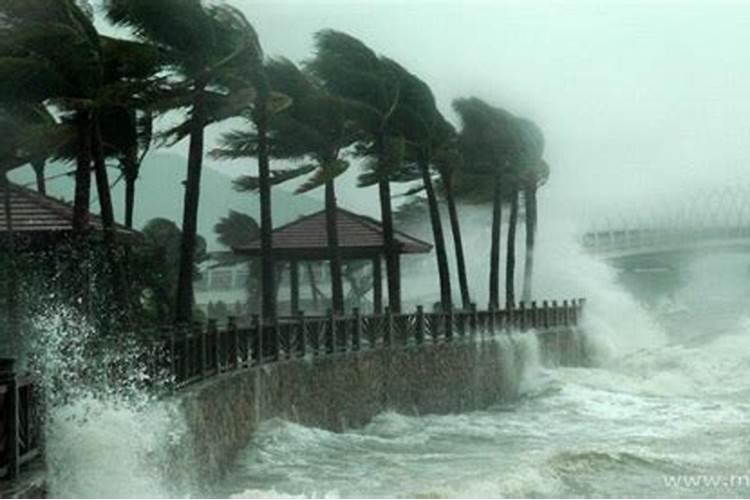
[{"x": 159, "y": 193}]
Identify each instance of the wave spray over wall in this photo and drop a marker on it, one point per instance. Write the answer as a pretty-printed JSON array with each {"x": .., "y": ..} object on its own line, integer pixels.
[{"x": 107, "y": 432}]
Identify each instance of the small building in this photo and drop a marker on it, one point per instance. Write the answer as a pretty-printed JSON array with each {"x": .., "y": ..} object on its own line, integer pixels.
[
  {"x": 360, "y": 239},
  {"x": 41, "y": 222}
]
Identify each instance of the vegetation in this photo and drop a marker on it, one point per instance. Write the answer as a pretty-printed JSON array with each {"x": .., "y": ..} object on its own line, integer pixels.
[{"x": 68, "y": 92}]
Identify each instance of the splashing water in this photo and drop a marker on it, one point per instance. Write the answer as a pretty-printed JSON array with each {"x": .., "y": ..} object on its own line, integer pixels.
[{"x": 106, "y": 433}]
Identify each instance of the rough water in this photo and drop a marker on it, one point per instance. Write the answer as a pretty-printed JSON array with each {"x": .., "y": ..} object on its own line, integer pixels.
[{"x": 665, "y": 413}]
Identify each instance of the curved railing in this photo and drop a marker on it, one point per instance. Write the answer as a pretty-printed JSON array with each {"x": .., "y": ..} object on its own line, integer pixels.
[{"x": 204, "y": 351}]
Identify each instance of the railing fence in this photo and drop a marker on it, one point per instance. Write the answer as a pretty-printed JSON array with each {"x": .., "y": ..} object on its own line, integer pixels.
[{"x": 198, "y": 352}]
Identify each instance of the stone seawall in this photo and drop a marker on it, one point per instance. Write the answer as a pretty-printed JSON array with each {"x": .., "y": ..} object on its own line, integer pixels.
[{"x": 343, "y": 391}]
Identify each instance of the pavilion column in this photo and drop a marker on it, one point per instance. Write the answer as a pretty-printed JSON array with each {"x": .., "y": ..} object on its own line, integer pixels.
[
  {"x": 294, "y": 286},
  {"x": 377, "y": 285}
]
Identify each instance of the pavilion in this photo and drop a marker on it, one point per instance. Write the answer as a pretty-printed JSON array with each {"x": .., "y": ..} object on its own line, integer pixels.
[
  {"x": 40, "y": 222},
  {"x": 360, "y": 238}
]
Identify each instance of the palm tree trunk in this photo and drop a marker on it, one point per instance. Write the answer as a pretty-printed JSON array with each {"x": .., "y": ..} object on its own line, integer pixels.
[
  {"x": 392, "y": 264},
  {"x": 130, "y": 173},
  {"x": 458, "y": 245},
  {"x": 129, "y": 201},
  {"x": 108, "y": 219},
  {"x": 83, "y": 174},
  {"x": 497, "y": 216},
  {"x": 531, "y": 222},
  {"x": 510, "y": 258},
  {"x": 41, "y": 182},
  {"x": 184, "y": 301},
  {"x": 337, "y": 285},
  {"x": 11, "y": 272},
  {"x": 267, "y": 271},
  {"x": 437, "y": 232}
]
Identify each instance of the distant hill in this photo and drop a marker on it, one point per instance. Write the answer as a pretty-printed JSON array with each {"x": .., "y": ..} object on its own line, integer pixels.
[{"x": 159, "y": 193}]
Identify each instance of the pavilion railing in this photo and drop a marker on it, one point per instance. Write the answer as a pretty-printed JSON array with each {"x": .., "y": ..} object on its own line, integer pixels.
[{"x": 204, "y": 351}]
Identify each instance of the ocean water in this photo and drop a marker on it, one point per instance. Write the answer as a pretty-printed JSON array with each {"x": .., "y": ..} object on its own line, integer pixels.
[{"x": 663, "y": 413}]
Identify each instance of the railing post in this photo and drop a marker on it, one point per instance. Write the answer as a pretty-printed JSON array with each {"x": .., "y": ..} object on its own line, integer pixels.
[
  {"x": 167, "y": 334},
  {"x": 302, "y": 333},
  {"x": 450, "y": 323},
  {"x": 420, "y": 325},
  {"x": 566, "y": 310},
  {"x": 545, "y": 314},
  {"x": 493, "y": 318},
  {"x": 388, "y": 334},
  {"x": 258, "y": 339},
  {"x": 534, "y": 315},
  {"x": 234, "y": 336},
  {"x": 474, "y": 319},
  {"x": 203, "y": 364},
  {"x": 511, "y": 315},
  {"x": 212, "y": 331},
  {"x": 555, "y": 315},
  {"x": 186, "y": 352},
  {"x": 357, "y": 330},
  {"x": 522, "y": 316},
  {"x": 331, "y": 338},
  {"x": 581, "y": 304},
  {"x": 275, "y": 340},
  {"x": 12, "y": 445}
]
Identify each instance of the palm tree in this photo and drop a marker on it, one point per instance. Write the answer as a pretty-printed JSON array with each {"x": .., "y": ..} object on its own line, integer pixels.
[
  {"x": 447, "y": 159},
  {"x": 534, "y": 173},
  {"x": 419, "y": 121},
  {"x": 215, "y": 55},
  {"x": 488, "y": 142},
  {"x": 127, "y": 136},
  {"x": 317, "y": 126},
  {"x": 346, "y": 67},
  {"x": 52, "y": 51}
]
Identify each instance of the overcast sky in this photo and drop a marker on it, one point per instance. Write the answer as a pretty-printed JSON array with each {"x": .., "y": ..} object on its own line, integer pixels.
[{"x": 634, "y": 97}]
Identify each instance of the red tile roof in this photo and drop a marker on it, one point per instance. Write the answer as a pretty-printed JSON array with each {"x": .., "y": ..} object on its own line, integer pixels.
[
  {"x": 33, "y": 212},
  {"x": 356, "y": 232}
]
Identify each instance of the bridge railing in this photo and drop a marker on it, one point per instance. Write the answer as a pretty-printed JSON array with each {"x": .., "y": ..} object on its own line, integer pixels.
[
  {"x": 629, "y": 239},
  {"x": 205, "y": 350}
]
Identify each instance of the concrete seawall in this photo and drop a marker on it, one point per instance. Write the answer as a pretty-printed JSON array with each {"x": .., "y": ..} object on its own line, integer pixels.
[{"x": 337, "y": 392}]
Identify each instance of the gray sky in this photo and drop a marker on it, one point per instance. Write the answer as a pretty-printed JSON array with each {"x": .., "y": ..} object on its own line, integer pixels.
[{"x": 635, "y": 98}]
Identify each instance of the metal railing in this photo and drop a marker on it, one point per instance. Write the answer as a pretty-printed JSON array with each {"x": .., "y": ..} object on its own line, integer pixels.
[
  {"x": 20, "y": 426},
  {"x": 204, "y": 351},
  {"x": 189, "y": 355}
]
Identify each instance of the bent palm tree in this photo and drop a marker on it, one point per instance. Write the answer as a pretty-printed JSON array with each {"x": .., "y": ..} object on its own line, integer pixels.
[
  {"x": 215, "y": 55},
  {"x": 419, "y": 121},
  {"x": 448, "y": 160},
  {"x": 534, "y": 172},
  {"x": 487, "y": 142},
  {"x": 346, "y": 67}
]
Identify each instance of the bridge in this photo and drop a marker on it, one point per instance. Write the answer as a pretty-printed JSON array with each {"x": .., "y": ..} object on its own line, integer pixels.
[{"x": 712, "y": 221}]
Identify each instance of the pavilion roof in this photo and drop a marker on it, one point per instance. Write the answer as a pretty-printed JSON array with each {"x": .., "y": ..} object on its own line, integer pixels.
[
  {"x": 359, "y": 236},
  {"x": 35, "y": 214}
]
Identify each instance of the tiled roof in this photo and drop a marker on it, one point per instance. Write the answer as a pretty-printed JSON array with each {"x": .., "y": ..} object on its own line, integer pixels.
[
  {"x": 355, "y": 232},
  {"x": 33, "y": 212}
]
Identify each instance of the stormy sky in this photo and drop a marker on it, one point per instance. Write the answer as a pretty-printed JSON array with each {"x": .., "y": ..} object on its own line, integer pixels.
[{"x": 636, "y": 98}]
